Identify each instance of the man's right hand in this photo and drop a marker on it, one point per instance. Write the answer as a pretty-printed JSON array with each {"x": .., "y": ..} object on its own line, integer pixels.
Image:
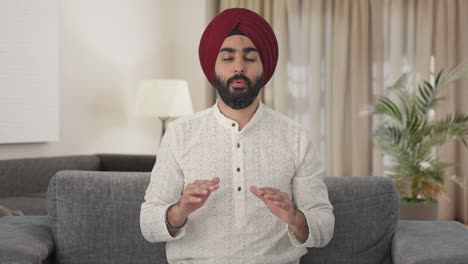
[{"x": 193, "y": 197}]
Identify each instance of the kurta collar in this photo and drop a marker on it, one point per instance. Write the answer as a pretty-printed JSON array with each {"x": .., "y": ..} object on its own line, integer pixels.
[{"x": 233, "y": 125}]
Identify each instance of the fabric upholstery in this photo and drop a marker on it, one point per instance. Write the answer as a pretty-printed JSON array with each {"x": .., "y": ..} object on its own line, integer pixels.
[
  {"x": 366, "y": 215},
  {"x": 32, "y": 175},
  {"x": 123, "y": 162},
  {"x": 96, "y": 218},
  {"x": 430, "y": 242},
  {"x": 25, "y": 239},
  {"x": 23, "y": 182}
]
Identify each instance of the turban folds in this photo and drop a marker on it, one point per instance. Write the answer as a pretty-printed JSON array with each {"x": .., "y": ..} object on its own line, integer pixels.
[{"x": 255, "y": 27}]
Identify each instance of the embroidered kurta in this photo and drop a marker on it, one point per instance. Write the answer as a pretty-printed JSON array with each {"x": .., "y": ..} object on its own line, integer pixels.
[{"x": 235, "y": 226}]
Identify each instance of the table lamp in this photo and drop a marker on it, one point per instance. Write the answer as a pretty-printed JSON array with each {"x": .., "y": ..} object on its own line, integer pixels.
[{"x": 163, "y": 99}]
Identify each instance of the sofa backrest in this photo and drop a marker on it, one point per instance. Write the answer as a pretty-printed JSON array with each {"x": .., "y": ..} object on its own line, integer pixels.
[
  {"x": 32, "y": 175},
  {"x": 126, "y": 162},
  {"x": 95, "y": 218},
  {"x": 366, "y": 213}
]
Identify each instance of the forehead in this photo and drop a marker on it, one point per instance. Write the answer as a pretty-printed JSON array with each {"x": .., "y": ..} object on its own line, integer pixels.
[{"x": 237, "y": 41}]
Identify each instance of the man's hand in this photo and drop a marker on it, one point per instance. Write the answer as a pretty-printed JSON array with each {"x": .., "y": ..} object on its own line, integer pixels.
[
  {"x": 280, "y": 204},
  {"x": 193, "y": 197}
]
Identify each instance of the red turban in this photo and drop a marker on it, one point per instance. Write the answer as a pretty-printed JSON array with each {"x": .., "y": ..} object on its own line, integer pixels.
[{"x": 255, "y": 27}]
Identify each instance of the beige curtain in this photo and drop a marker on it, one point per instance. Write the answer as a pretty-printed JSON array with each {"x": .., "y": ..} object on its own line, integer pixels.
[
  {"x": 274, "y": 94},
  {"x": 450, "y": 47},
  {"x": 343, "y": 73}
]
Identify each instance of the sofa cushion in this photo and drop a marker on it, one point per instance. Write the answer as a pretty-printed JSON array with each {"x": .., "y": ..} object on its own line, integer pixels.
[
  {"x": 25, "y": 239},
  {"x": 96, "y": 218},
  {"x": 430, "y": 242},
  {"x": 366, "y": 213}
]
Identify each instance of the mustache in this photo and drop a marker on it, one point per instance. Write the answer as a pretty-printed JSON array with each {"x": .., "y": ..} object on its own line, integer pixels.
[{"x": 239, "y": 77}]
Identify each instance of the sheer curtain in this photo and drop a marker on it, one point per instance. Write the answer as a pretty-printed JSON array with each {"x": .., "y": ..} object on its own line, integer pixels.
[
  {"x": 332, "y": 52},
  {"x": 337, "y": 56}
]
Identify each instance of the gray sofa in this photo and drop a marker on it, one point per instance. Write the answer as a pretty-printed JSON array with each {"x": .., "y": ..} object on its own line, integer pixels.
[
  {"x": 93, "y": 217},
  {"x": 23, "y": 182}
]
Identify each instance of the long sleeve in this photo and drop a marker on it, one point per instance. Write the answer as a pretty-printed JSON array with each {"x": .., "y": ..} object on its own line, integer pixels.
[
  {"x": 311, "y": 197},
  {"x": 165, "y": 188}
]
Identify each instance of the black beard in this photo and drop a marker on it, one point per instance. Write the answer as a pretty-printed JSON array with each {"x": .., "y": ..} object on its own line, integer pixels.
[{"x": 238, "y": 100}]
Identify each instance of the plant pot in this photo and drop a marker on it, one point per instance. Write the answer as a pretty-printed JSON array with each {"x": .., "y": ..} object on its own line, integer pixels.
[{"x": 418, "y": 211}]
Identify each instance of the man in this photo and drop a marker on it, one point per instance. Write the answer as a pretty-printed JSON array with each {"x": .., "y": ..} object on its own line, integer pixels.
[{"x": 238, "y": 182}]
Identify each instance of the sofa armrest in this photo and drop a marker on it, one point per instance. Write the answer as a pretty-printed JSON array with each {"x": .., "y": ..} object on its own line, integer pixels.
[
  {"x": 430, "y": 242},
  {"x": 126, "y": 162},
  {"x": 25, "y": 239}
]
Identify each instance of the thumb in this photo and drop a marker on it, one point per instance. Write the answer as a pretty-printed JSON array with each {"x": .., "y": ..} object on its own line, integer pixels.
[{"x": 215, "y": 180}]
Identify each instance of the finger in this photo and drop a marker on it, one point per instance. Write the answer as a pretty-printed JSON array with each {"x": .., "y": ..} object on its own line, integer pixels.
[
  {"x": 269, "y": 189},
  {"x": 271, "y": 192},
  {"x": 189, "y": 187},
  {"x": 215, "y": 180},
  {"x": 255, "y": 191},
  {"x": 206, "y": 183},
  {"x": 281, "y": 205},
  {"x": 198, "y": 191},
  {"x": 210, "y": 187},
  {"x": 192, "y": 199},
  {"x": 203, "y": 182},
  {"x": 274, "y": 197},
  {"x": 268, "y": 193},
  {"x": 206, "y": 186},
  {"x": 285, "y": 196}
]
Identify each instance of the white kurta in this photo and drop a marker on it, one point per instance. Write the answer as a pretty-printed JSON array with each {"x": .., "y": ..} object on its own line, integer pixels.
[{"x": 234, "y": 226}]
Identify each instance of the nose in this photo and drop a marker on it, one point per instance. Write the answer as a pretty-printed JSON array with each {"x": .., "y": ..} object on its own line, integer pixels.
[{"x": 239, "y": 66}]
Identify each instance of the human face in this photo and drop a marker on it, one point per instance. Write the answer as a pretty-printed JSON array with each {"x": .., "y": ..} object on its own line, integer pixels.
[{"x": 238, "y": 72}]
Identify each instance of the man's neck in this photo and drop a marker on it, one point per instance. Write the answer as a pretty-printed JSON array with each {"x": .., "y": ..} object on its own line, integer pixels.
[{"x": 241, "y": 116}]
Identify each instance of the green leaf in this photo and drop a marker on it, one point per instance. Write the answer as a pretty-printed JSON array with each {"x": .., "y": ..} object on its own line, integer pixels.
[{"x": 438, "y": 77}]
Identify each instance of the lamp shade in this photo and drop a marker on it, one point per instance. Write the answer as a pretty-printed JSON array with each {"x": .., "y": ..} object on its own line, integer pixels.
[{"x": 163, "y": 98}]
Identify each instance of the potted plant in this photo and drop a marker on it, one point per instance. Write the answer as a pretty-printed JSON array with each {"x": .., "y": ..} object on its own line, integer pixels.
[{"x": 408, "y": 134}]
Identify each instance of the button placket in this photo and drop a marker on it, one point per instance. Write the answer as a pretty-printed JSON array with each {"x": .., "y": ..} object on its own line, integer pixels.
[{"x": 238, "y": 182}]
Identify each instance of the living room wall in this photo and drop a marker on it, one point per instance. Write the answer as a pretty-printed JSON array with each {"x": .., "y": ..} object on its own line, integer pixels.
[{"x": 106, "y": 47}]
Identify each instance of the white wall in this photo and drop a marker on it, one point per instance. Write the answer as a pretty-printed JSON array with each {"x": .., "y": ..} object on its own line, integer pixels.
[
  {"x": 106, "y": 47},
  {"x": 29, "y": 110}
]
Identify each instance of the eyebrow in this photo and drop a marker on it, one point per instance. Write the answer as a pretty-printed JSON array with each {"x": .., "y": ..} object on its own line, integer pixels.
[{"x": 244, "y": 50}]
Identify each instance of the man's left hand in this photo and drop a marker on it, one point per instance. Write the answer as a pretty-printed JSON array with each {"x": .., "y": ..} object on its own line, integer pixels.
[{"x": 278, "y": 203}]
